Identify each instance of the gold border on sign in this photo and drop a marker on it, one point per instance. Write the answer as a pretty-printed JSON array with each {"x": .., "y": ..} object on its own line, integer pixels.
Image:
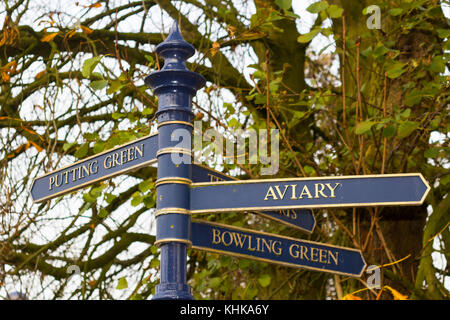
[{"x": 242, "y": 255}]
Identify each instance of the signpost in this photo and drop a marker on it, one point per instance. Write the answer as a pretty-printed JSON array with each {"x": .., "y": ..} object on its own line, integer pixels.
[{"x": 183, "y": 189}]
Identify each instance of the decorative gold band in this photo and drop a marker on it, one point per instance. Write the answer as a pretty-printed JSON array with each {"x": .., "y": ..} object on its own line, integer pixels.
[
  {"x": 166, "y": 240},
  {"x": 177, "y": 180},
  {"x": 174, "y": 150},
  {"x": 162, "y": 211},
  {"x": 175, "y": 122}
]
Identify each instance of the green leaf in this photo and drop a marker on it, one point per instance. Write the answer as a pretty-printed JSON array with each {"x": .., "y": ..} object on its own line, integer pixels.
[
  {"x": 67, "y": 145},
  {"x": 334, "y": 11},
  {"x": 109, "y": 197},
  {"x": 395, "y": 11},
  {"x": 103, "y": 213},
  {"x": 98, "y": 84},
  {"x": 406, "y": 128},
  {"x": 317, "y": 7},
  {"x": 431, "y": 153},
  {"x": 122, "y": 284},
  {"x": 438, "y": 64},
  {"x": 304, "y": 38},
  {"x": 145, "y": 185},
  {"x": 389, "y": 131},
  {"x": 364, "y": 126},
  {"x": 215, "y": 282},
  {"x": 413, "y": 97},
  {"x": 445, "y": 180},
  {"x": 82, "y": 151},
  {"x": 117, "y": 115},
  {"x": 395, "y": 70},
  {"x": 89, "y": 66},
  {"x": 147, "y": 111},
  {"x": 443, "y": 33},
  {"x": 264, "y": 280},
  {"x": 114, "y": 86},
  {"x": 284, "y": 4}
]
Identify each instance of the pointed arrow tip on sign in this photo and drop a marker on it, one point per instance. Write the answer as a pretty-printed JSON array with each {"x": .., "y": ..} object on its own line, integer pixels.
[{"x": 427, "y": 185}]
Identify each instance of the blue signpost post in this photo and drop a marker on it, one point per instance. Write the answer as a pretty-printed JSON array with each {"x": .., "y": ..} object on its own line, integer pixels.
[{"x": 183, "y": 189}]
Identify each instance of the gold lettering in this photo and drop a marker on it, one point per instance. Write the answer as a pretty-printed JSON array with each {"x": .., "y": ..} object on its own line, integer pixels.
[
  {"x": 73, "y": 174},
  {"x": 239, "y": 239},
  {"x": 322, "y": 256},
  {"x": 107, "y": 164},
  {"x": 293, "y": 188},
  {"x": 52, "y": 181},
  {"x": 223, "y": 239},
  {"x": 250, "y": 244},
  {"x": 295, "y": 253},
  {"x": 130, "y": 154},
  {"x": 56, "y": 181},
  {"x": 294, "y": 214},
  {"x": 335, "y": 258},
  {"x": 93, "y": 167},
  {"x": 281, "y": 195},
  {"x": 140, "y": 151},
  {"x": 268, "y": 245},
  {"x": 115, "y": 159},
  {"x": 216, "y": 236},
  {"x": 332, "y": 189},
  {"x": 67, "y": 175},
  {"x": 270, "y": 193},
  {"x": 123, "y": 156},
  {"x": 303, "y": 253},
  {"x": 86, "y": 170},
  {"x": 276, "y": 250},
  {"x": 305, "y": 191},
  {"x": 314, "y": 254},
  {"x": 319, "y": 190}
]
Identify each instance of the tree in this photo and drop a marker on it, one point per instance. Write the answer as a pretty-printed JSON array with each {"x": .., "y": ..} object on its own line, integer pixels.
[{"x": 72, "y": 86}]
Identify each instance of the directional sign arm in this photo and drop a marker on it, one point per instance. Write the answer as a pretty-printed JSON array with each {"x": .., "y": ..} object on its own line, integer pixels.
[
  {"x": 110, "y": 163},
  {"x": 261, "y": 246},
  {"x": 295, "y": 193},
  {"x": 302, "y": 219}
]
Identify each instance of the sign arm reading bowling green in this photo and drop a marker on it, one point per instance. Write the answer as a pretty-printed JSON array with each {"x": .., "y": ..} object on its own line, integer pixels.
[
  {"x": 107, "y": 164},
  {"x": 296, "y": 193},
  {"x": 302, "y": 219},
  {"x": 266, "y": 247}
]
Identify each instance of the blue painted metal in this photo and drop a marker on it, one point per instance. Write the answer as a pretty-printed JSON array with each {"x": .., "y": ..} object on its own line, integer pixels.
[
  {"x": 266, "y": 247},
  {"x": 175, "y": 86},
  {"x": 121, "y": 159},
  {"x": 302, "y": 219},
  {"x": 323, "y": 192}
]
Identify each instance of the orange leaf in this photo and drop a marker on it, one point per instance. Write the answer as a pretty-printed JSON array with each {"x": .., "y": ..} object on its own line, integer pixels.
[
  {"x": 40, "y": 74},
  {"x": 71, "y": 33},
  {"x": 397, "y": 295},
  {"x": 86, "y": 30},
  {"x": 95, "y": 5},
  {"x": 215, "y": 48},
  {"x": 49, "y": 37},
  {"x": 5, "y": 77},
  {"x": 351, "y": 297}
]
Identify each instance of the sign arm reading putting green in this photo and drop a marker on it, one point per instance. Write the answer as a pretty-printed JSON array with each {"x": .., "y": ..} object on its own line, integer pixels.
[
  {"x": 107, "y": 164},
  {"x": 302, "y": 219},
  {"x": 266, "y": 247},
  {"x": 296, "y": 193}
]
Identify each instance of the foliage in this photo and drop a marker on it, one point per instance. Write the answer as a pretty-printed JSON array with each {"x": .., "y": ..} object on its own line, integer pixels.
[{"x": 72, "y": 86}]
